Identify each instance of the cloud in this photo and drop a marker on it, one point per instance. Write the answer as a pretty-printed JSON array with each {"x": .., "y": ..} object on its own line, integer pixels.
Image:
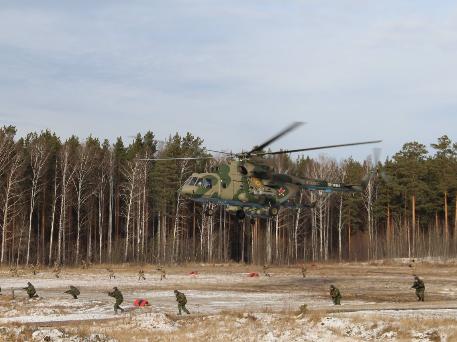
[{"x": 233, "y": 73}]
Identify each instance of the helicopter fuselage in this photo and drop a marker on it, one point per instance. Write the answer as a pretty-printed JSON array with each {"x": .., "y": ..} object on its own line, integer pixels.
[
  {"x": 253, "y": 188},
  {"x": 244, "y": 185}
]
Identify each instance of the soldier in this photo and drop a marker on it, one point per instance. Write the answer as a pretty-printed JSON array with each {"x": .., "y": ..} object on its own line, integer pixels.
[
  {"x": 57, "y": 270},
  {"x": 335, "y": 294},
  {"x": 119, "y": 299},
  {"x": 74, "y": 291},
  {"x": 84, "y": 264},
  {"x": 13, "y": 271},
  {"x": 34, "y": 269},
  {"x": 265, "y": 271},
  {"x": 141, "y": 275},
  {"x": 303, "y": 271},
  {"x": 182, "y": 301},
  {"x": 163, "y": 273},
  {"x": 30, "y": 290},
  {"x": 111, "y": 273},
  {"x": 420, "y": 288}
]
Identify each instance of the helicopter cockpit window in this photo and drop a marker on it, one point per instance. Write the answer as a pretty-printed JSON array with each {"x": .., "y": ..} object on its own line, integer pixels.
[
  {"x": 207, "y": 183},
  {"x": 191, "y": 181}
]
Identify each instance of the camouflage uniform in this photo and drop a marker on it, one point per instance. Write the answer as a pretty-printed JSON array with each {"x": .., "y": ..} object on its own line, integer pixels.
[
  {"x": 141, "y": 275},
  {"x": 33, "y": 269},
  {"x": 335, "y": 294},
  {"x": 74, "y": 291},
  {"x": 303, "y": 271},
  {"x": 163, "y": 273},
  {"x": 83, "y": 264},
  {"x": 30, "y": 290},
  {"x": 119, "y": 299},
  {"x": 265, "y": 271},
  {"x": 13, "y": 271},
  {"x": 420, "y": 288},
  {"x": 111, "y": 273},
  {"x": 182, "y": 301},
  {"x": 57, "y": 270}
]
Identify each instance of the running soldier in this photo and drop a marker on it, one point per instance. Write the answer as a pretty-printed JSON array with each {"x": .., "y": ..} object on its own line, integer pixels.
[
  {"x": 163, "y": 273},
  {"x": 303, "y": 271},
  {"x": 119, "y": 299},
  {"x": 141, "y": 275},
  {"x": 74, "y": 291},
  {"x": 182, "y": 301},
  {"x": 57, "y": 270},
  {"x": 265, "y": 271},
  {"x": 30, "y": 290},
  {"x": 420, "y": 288},
  {"x": 335, "y": 294}
]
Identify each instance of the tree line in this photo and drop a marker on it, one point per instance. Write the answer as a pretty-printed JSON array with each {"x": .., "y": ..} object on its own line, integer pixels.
[{"x": 68, "y": 201}]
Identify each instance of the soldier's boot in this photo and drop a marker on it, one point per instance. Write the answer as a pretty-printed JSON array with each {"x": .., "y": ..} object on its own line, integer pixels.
[
  {"x": 185, "y": 310},
  {"x": 75, "y": 296}
]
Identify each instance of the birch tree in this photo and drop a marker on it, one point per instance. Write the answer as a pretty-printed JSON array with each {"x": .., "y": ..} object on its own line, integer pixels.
[{"x": 38, "y": 154}]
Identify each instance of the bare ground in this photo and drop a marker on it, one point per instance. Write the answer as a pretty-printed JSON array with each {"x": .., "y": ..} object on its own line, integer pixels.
[{"x": 226, "y": 304}]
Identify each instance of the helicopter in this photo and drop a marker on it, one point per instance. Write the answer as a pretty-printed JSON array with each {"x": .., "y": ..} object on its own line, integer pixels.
[{"x": 247, "y": 186}]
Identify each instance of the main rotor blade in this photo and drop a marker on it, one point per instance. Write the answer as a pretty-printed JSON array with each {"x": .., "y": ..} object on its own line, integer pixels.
[
  {"x": 227, "y": 153},
  {"x": 176, "y": 158},
  {"x": 286, "y": 130},
  {"x": 318, "y": 148}
]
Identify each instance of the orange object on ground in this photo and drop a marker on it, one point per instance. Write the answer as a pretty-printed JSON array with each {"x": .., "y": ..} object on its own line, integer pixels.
[
  {"x": 140, "y": 302},
  {"x": 253, "y": 274}
]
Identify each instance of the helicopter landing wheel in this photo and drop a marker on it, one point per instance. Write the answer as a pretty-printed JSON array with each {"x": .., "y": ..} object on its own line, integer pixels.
[
  {"x": 273, "y": 211},
  {"x": 209, "y": 212},
  {"x": 240, "y": 214}
]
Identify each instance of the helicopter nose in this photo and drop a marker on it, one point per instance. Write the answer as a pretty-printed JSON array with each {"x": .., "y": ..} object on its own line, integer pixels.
[{"x": 187, "y": 190}]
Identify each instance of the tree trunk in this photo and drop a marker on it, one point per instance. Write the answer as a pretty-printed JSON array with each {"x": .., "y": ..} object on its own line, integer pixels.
[{"x": 340, "y": 229}]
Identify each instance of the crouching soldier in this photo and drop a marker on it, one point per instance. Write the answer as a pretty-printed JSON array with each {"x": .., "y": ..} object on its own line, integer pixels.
[
  {"x": 30, "y": 290},
  {"x": 111, "y": 273},
  {"x": 119, "y": 299},
  {"x": 74, "y": 291},
  {"x": 335, "y": 294},
  {"x": 420, "y": 288},
  {"x": 182, "y": 301}
]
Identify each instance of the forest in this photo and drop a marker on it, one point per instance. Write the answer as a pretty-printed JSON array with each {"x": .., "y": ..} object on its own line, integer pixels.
[{"x": 89, "y": 200}]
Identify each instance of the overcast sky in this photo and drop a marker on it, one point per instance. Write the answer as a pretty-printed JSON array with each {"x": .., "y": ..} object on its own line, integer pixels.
[{"x": 233, "y": 72}]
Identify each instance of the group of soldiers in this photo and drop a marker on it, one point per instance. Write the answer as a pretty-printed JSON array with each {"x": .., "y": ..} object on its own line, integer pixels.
[
  {"x": 116, "y": 294},
  {"x": 141, "y": 273},
  {"x": 335, "y": 293},
  {"x": 418, "y": 285}
]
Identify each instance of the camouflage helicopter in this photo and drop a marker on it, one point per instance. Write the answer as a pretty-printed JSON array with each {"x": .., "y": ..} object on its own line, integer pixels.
[{"x": 247, "y": 186}]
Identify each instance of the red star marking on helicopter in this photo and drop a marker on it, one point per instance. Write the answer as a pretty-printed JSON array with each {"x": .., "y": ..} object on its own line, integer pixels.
[{"x": 281, "y": 191}]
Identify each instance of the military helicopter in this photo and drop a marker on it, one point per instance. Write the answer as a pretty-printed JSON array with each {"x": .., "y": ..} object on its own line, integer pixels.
[{"x": 247, "y": 186}]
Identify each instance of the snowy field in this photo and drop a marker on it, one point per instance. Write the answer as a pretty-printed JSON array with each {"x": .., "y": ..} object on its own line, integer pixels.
[{"x": 226, "y": 304}]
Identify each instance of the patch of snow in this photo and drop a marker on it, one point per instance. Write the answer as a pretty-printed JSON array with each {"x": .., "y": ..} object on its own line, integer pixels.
[
  {"x": 47, "y": 335},
  {"x": 155, "y": 321}
]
